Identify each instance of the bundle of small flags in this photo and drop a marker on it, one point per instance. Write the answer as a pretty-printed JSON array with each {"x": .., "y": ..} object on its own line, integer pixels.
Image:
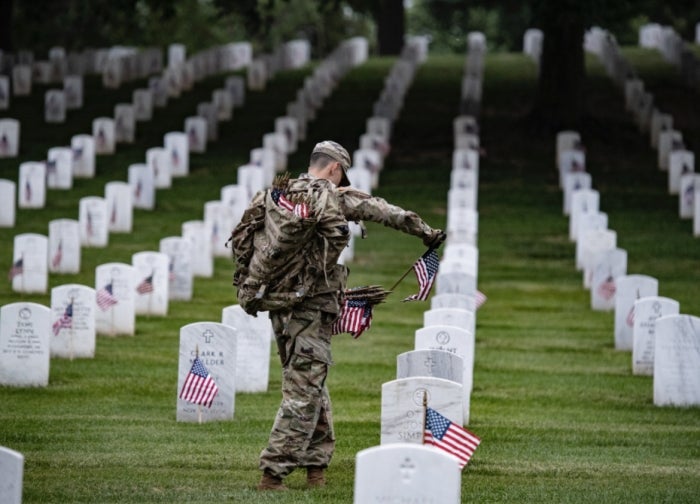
[
  {"x": 356, "y": 315},
  {"x": 298, "y": 206}
]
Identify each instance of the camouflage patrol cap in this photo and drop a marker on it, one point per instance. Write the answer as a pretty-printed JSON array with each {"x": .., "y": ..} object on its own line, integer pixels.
[{"x": 337, "y": 152}]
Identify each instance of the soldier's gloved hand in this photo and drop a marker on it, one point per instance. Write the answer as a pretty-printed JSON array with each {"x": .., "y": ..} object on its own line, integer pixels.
[{"x": 435, "y": 238}]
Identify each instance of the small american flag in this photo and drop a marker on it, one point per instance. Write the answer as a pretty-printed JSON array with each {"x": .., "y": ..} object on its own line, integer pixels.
[
  {"x": 56, "y": 261},
  {"x": 16, "y": 269},
  {"x": 449, "y": 437},
  {"x": 105, "y": 297},
  {"x": 89, "y": 226},
  {"x": 199, "y": 386},
  {"x": 355, "y": 318},
  {"x": 301, "y": 210},
  {"x": 171, "y": 270},
  {"x": 629, "y": 320},
  {"x": 66, "y": 320},
  {"x": 607, "y": 289},
  {"x": 175, "y": 157},
  {"x": 27, "y": 191},
  {"x": 146, "y": 286},
  {"x": 426, "y": 268},
  {"x": 480, "y": 299}
]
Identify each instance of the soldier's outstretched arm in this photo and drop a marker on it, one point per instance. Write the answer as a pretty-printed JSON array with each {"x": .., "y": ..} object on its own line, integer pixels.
[{"x": 357, "y": 205}]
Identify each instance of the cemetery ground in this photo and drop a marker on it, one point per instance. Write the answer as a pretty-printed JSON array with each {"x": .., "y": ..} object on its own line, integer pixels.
[{"x": 561, "y": 417}]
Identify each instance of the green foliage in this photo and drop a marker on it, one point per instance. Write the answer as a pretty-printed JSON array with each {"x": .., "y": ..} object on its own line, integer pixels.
[{"x": 561, "y": 417}]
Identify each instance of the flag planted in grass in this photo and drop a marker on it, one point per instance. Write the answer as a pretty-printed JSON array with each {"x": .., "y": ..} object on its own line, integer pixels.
[
  {"x": 16, "y": 269},
  {"x": 66, "y": 320},
  {"x": 199, "y": 386},
  {"x": 454, "y": 439}
]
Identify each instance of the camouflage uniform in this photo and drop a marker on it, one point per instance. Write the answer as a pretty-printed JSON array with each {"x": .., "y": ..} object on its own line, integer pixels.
[{"x": 302, "y": 435}]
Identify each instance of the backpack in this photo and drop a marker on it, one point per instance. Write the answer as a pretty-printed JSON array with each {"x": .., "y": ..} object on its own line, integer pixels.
[{"x": 273, "y": 248}]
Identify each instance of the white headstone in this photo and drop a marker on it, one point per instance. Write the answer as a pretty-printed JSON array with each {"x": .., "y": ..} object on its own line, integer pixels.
[
  {"x": 142, "y": 100},
  {"x": 196, "y": 129},
  {"x": 29, "y": 271},
  {"x": 686, "y": 194},
  {"x": 628, "y": 289},
  {"x": 455, "y": 282},
  {"x": 215, "y": 344},
  {"x": 278, "y": 143},
  {"x": 179, "y": 252},
  {"x": 152, "y": 282},
  {"x": 462, "y": 225},
  {"x": 257, "y": 75},
  {"x": 589, "y": 221},
  {"x": 4, "y": 90},
  {"x": 461, "y": 198},
  {"x": 571, "y": 161},
  {"x": 574, "y": 181},
  {"x": 73, "y": 321},
  {"x": 24, "y": 345},
  {"x": 459, "y": 317},
  {"x": 124, "y": 123},
  {"x": 218, "y": 217},
  {"x": 289, "y": 127},
  {"x": 115, "y": 291},
  {"x": 54, "y": 106},
  {"x": 582, "y": 201},
  {"x": 681, "y": 162},
  {"x": 8, "y": 200},
  {"x": 361, "y": 178},
  {"x": 235, "y": 197},
  {"x": 429, "y": 362},
  {"x": 669, "y": 140},
  {"x": 83, "y": 147},
  {"x": 609, "y": 266},
  {"x": 64, "y": 246},
  {"x": 22, "y": 80},
  {"x": 696, "y": 211},
  {"x": 59, "y": 168},
  {"x": 455, "y": 340},
  {"x": 11, "y": 476},
  {"x": 208, "y": 111},
  {"x": 142, "y": 183},
  {"x": 223, "y": 104},
  {"x": 176, "y": 143},
  {"x": 676, "y": 361},
  {"x": 73, "y": 89},
  {"x": 176, "y": 54},
  {"x": 118, "y": 198},
  {"x": 94, "y": 222},
  {"x": 646, "y": 311},
  {"x": 659, "y": 122},
  {"x": 461, "y": 301},
  {"x": 251, "y": 178},
  {"x": 404, "y": 472},
  {"x": 104, "y": 134},
  {"x": 236, "y": 87},
  {"x": 566, "y": 140},
  {"x": 9, "y": 137},
  {"x": 402, "y": 412},
  {"x": 253, "y": 341},
  {"x": 199, "y": 236},
  {"x": 158, "y": 159},
  {"x": 32, "y": 185}
]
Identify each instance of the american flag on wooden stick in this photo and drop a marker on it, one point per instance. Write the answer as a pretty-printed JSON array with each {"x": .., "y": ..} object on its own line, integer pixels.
[
  {"x": 356, "y": 315},
  {"x": 426, "y": 268},
  {"x": 199, "y": 386},
  {"x": 454, "y": 439}
]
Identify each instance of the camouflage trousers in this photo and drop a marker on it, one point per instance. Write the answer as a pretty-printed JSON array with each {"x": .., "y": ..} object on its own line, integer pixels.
[{"x": 302, "y": 434}]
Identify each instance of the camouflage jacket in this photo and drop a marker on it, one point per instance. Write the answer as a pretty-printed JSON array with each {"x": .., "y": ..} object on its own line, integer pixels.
[{"x": 293, "y": 260}]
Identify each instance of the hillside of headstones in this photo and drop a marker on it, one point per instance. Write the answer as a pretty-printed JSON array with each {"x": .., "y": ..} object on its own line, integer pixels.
[{"x": 152, "y": 124}]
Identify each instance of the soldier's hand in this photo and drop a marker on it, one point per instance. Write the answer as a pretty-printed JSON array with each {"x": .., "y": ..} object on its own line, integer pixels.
[{"x": 435, "y": 238}]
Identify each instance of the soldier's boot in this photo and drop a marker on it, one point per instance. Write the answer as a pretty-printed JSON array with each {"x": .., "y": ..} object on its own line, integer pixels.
[
  {"x": 315, "y": 477},
  {"x": 271, "y": 482}
]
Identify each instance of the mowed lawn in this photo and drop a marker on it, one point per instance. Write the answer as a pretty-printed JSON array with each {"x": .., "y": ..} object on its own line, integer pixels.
[{"x": 561, "y": 417}]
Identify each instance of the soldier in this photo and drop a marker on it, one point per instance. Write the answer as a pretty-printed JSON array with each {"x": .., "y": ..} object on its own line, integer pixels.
[{"x": 306, "y": 297}]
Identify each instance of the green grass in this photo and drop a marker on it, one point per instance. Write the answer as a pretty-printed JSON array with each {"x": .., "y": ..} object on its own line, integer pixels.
[{"x": 561, "y": 417}]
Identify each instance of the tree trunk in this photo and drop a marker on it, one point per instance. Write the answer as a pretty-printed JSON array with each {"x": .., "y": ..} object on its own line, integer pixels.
[
  {"x": 559, "y": 103},
  {"x": 391, "y": 26},
  {"x": 6, "y": 25}
]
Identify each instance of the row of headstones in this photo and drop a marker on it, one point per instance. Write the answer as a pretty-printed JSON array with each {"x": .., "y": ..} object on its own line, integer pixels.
[
  {"x": 99, "y": 216},
  {"x": 440, "y": 368},
  {"x": 532, "y": 44},
  {"x": 672, "y": 156},
  {"x": 473, "y": 74},
  {"x": 663, "y": 342},
  {"x": 673, "y": 49}
]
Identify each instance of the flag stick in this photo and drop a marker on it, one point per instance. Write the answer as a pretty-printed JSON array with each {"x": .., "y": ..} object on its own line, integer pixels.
[
  {"x": 425, "y": 414},
  {"x": 199, "y": 406},
  {"x": 70, "y": 335}
]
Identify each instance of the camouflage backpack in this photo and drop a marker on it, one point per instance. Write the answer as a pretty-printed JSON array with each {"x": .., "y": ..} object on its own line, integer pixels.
[{"x": 271, "y": 248}]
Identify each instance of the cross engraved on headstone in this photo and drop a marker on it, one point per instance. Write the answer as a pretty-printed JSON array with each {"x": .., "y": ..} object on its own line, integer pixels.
[
  {"x": 407, "y": 469},
  {"x": 418, "y": 395},
  {"x": 430, "y": 364},
  {"x": 208, "y": 335}
]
